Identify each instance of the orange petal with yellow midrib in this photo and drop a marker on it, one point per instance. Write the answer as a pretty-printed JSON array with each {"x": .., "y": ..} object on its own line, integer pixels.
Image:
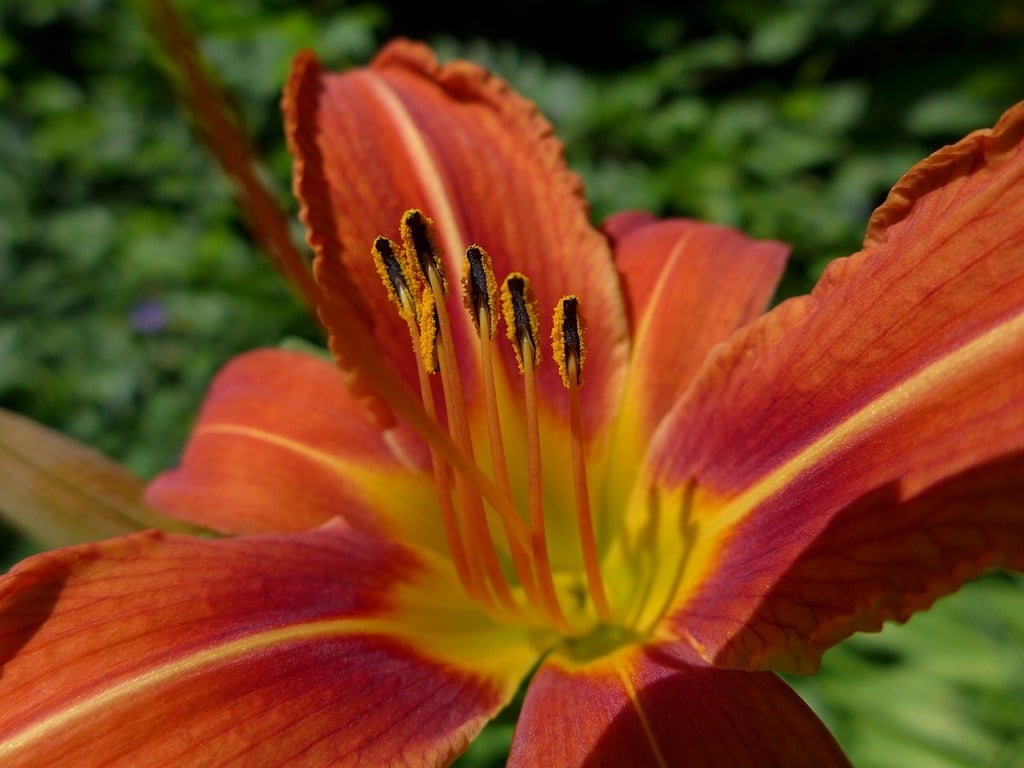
[
  {"x": 314, "y": 648},
  {"x": 688, "y": 285},
  {"x": 280, "y": 445},
  {"x": 857, "y": 452}
]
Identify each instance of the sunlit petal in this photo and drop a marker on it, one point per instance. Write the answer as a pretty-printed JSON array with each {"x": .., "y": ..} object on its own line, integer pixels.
[
  {"x": 328, "y": 647},
  {"x": 895, "y": 389},
  {"x": 882, "y": 557},
  {"x": 479, "y": 159},
  {"x": 688, "y": 285},
  {"x": 281, "y": 446}
]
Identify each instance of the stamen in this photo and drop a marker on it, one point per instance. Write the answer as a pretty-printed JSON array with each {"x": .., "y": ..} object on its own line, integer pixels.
[
  {"x": 393, "y": 392},
  {"x": 479, "y": 293},
  {"x": 421, "y": 248},
  {"x": 521, "y": 320},
  {"x": 569, "y": 352},
  {"x": 567, "y": 338},
  {"x": 393, "y": 275},
  {"x": 451, "y": 450}
]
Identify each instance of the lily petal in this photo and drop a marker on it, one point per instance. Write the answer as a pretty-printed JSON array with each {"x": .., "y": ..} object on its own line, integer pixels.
[
  {"x": 882, "y": 557},
  {"x": 281, "y": 446},
  {"x": 162, "y": 650},
  {"x": 645, "y": 706},
  {"x": 458, "y": 143},
  {"x": 896, "y": 390},
  {"x": 61, "y": 492},
  {"x": 688, "y": 286}
]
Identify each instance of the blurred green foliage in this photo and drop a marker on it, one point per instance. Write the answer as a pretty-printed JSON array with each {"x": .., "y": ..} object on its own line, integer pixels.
[{"x": 127, "y": 279}]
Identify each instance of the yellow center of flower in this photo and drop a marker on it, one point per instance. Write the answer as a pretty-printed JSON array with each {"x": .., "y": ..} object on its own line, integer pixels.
[{"x": 500, "y": 554}]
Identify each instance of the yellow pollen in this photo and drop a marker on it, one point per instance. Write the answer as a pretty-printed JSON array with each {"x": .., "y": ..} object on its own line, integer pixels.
[
  {"x": 420, "y": 243},
  {"x": 480, "y": 288},
  {"x": 522, "y": 323},
  {"x": 567, "y": 331},
  {"x": 387, "y": 258},
  {"x": 428, "y": 333}
]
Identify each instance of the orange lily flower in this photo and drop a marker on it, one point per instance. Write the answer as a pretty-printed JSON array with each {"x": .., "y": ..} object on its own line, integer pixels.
[{"x": 648, "y": 493}]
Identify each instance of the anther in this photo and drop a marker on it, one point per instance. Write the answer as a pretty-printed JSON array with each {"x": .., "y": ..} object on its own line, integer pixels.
[
  {"x": 480, "y": 288},
  {"x": 421, "y": 246},
  {"x": 392, "y": 274},
  {"x": 522, "y": 322},
  {"x": 567, "y": 339}
]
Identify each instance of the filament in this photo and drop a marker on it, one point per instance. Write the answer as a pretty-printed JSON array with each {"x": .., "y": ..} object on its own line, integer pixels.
[
  {"x": 569, "y": 352},
  {"x": 585, "y": 521}
]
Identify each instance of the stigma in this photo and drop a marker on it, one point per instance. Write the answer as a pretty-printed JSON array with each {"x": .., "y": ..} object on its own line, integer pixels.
[{"x": 500, "y": 550}]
